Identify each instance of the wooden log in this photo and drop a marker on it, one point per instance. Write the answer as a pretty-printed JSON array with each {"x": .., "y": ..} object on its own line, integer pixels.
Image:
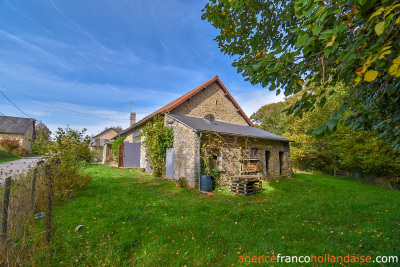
[
  {"x": 50, "y": 204},
  {"x": 4, "y": 214},
  {"x": 33, "y": 185}
]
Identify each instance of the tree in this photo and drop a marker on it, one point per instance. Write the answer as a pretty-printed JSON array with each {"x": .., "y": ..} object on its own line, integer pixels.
[
  {"x": 286, "y": 45},
  {"x": 43, "y": 133},
  {"x": 357, "y": 151},
  {"x": 271, "y": 119}
]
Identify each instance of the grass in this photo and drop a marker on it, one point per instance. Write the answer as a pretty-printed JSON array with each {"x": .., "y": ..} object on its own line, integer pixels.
[
  {"x": 132, "y": 218},
  {"x": 7, "y": 156}
]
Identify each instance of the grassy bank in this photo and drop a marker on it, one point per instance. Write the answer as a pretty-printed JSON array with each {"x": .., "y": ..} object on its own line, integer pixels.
[
  {"x": 131, "y": 218},
  {"x": 6, "y": 156}
]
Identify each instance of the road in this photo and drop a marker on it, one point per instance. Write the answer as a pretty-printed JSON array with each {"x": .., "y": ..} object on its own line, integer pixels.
[{"x": 16, "y": 167}]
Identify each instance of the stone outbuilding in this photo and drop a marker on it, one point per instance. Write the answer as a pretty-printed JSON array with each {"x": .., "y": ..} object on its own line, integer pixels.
[
  {"x": 98, "y": 142},
  {"x": 21, "y": 129},
  {"x": 207, "y": 113}
]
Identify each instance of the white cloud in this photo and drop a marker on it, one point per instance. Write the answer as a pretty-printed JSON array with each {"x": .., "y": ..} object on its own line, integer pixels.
[
  {"x": 250, "y": 100},
  {"x": 50, "y": 57}
]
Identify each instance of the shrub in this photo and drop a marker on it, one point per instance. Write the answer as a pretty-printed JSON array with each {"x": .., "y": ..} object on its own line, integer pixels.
[
  {"x": 115, "y": 146},
  {"x": 64, "y": 158},
  {"x": 9, "y": 144},
  {"x": 20, "y": 151},
  {"x": 158, "y": 138}
]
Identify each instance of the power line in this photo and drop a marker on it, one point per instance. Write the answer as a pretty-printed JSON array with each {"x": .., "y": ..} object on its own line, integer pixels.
[
  {"x": 15, "y": 105},
  {"x": 53, "y": 112},
  {"x": 58, "y": 106}
]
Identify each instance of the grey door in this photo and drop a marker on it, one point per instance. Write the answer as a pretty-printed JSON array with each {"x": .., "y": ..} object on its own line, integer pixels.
[
  {"x": 131, "y": 155},
  {"x": 169, "y": 168}
]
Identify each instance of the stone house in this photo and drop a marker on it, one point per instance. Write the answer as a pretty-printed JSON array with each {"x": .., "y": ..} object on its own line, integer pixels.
[
  {"x": 98, "y": 142},
  {"x": 22, "y": 129},
  {"x": 207, "y": 110}
]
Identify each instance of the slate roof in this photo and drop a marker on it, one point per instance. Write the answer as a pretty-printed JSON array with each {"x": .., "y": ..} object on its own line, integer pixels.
[
  {"x": 170, "y": 106},
  {"x": 14, "y": 124},
  {"x": 203, "y": 125}
]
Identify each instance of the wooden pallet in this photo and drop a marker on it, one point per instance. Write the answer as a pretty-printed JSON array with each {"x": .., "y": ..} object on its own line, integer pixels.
[
  {"x": 246, "y": 188},
  {"x": 253, "y": 167},
  {"x": 254, "y": 185},
  {"x": 245, "y": 192},
  {"x": 245, "y": 178}
]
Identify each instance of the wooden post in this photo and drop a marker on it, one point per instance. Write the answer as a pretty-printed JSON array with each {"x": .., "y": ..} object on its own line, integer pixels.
[
  {"x": 50, "y": 204},
  {"x": 33, "y": 184},
  {"x": 6, "y": 202}
]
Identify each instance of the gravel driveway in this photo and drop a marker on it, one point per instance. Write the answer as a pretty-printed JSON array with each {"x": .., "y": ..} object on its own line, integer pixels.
[{"x": 16, "y": 167}]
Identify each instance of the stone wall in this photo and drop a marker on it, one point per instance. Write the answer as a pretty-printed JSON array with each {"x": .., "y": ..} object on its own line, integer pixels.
[
  {"x": 24, "y": 140},
  {"x": 211, "y": 100},
  {"x": 97, "y": 152},
  {"x": 185, "y": 152},
  {"x": 230, "y": 159},
  {"x": 29, "y": 137},
  {"x": 274, "y": 148},
  {"x": 129, "y": 137}
]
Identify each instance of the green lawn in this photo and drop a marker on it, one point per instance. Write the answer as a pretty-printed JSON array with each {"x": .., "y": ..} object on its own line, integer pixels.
[
  {"x": 135, "y": 219},
  {"x": 6, "y": 156}
]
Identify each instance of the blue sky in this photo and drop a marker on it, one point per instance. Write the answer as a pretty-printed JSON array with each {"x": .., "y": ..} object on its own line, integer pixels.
[{"x": 94, "y": 56}]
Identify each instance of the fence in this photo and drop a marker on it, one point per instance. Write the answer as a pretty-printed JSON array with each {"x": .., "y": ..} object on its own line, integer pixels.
[{"x": 22, "y": 197}]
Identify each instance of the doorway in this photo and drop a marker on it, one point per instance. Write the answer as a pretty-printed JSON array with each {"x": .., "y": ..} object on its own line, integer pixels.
[
  {"x": 281, "y": 162},
  {"x": 267, "y": 159},
  {"x": 121, "y": 156},
  {"x": 169, "y": 168}
]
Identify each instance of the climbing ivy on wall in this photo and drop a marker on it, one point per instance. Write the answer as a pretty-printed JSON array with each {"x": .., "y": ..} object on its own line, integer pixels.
[
  {"x": 158, "y": 138},
  {"x": 115, "y": 146}
]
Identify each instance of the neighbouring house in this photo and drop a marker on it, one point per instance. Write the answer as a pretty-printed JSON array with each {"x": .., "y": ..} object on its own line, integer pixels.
[
  {"x": 206, "y": 111},
  {"x": 99, "y": 142},
  {"x": 22, "y": 129}
]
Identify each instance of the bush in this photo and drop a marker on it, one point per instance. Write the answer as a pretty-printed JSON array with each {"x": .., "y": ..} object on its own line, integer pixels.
[
  {"x": 9, "y": 144},
  {"x": 158, "y": 139},
  {"x": 65, "y": 157},
  {"x": 6, "y": 156},
  {"x": 20, "y": 151},
  {"x": 115, "y": 146}
]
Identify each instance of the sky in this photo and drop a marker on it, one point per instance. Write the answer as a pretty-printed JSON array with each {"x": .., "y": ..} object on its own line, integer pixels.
[{"x": 79, "y": 63}]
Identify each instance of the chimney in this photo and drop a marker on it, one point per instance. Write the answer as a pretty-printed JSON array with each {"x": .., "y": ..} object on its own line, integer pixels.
[
  {"x": 133, "y": 118},
  {"x": 209, "y": 118}
]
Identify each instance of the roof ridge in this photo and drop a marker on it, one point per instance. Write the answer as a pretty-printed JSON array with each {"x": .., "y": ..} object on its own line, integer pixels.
[
  {"x": 180, "y": 100},
  {"x": 111, "y": 128},
  {"x": 206, "y": 119},
  {"x": 198, "y": 124}
]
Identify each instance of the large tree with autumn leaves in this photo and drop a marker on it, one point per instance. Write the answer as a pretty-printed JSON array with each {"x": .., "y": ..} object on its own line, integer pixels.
[{"x": 286, "y": 45}]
